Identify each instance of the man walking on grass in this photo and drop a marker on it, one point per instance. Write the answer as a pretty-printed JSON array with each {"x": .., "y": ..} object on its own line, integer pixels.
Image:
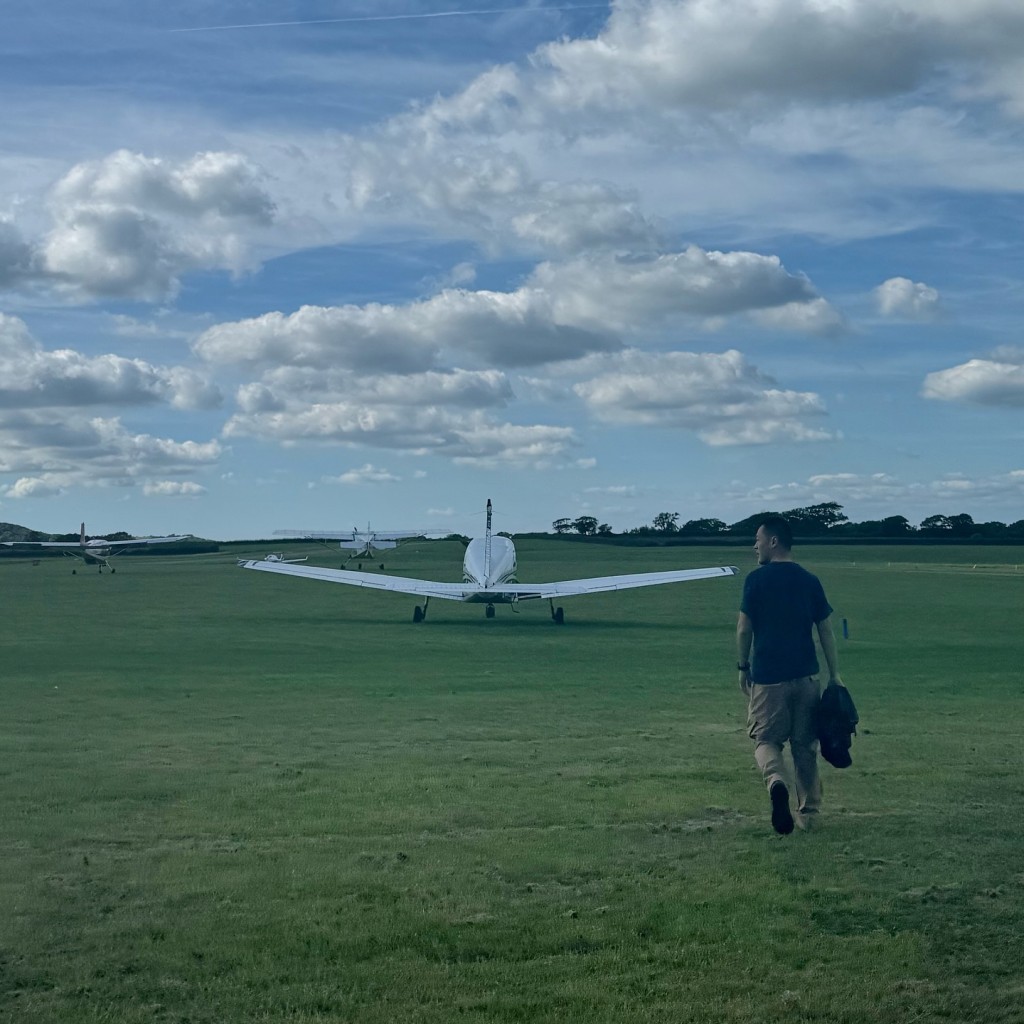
[{"x": 781, "y": 607}]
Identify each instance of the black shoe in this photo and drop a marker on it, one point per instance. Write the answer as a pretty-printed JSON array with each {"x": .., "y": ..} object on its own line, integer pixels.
[{"x": 782, "y": 818}]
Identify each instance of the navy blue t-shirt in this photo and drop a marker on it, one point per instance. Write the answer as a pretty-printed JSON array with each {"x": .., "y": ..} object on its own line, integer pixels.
[{"x": 783, "y": 601}]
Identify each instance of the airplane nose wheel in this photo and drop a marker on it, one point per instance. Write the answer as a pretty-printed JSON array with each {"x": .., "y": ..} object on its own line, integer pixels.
[
  {"x": 489, "y": 613},
  {"x": 557, "y": 614}
]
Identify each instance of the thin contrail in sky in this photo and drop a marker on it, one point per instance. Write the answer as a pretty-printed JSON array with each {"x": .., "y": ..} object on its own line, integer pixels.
[{"x": 390, "y": 17}]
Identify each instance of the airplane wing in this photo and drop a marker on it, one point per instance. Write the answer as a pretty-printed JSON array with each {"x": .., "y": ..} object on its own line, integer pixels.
[
  {"x": 600, "y": 584},
  {"x": 469, "y": 591},
  {"x": 375, "y": 581},
  {"x": 352, "y": 534},
  {"x": 40, "y": 544},
  {"x": 77, "y": 546},
  {"x": 316, "y": 534},
  {"x": 143, "y": 540}
]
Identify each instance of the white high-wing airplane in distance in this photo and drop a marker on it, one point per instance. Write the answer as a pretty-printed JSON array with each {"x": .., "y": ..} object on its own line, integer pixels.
[
  {"x": 92, "y": 552},
  {"x": 489, "y": 578},
  {"x": 362, "y": 543}
]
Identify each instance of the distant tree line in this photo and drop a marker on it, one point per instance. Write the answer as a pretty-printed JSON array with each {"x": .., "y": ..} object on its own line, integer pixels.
[
  {"x": 586, "y": 526},
  {"x": 812, "y": 521}
]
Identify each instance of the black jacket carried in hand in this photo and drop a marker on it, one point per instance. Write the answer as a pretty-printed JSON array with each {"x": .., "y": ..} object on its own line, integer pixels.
[{"x": 837, "y": 725}]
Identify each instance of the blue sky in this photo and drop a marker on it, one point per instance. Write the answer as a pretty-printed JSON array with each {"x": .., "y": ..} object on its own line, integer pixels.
[{"x": 394, "y": 258}]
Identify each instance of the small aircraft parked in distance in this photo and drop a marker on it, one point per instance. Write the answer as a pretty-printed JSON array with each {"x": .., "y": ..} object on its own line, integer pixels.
[
  {"x": 278, "y": 556},
  {"x": 93, "y": 552},
  {"x": 489, "y": 578},
  {"x": 361, "y": 543}
]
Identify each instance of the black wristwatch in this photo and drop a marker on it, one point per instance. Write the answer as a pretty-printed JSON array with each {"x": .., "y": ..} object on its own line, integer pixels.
[{"x": 743, "y": 668}]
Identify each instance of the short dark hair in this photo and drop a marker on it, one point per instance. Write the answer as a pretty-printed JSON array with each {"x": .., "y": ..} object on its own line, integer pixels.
[{"x": 779, "y": 528}]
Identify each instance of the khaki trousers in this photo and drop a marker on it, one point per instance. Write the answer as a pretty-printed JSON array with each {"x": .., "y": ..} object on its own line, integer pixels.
[{"x": 786, "y": 712}]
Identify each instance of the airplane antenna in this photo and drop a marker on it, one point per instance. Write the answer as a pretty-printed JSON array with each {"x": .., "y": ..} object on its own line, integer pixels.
[{"x": 487, "y": 543}]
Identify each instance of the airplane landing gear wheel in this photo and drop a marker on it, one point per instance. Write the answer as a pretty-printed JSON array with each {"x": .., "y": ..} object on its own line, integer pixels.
[
  {"x": 559, "y": 616},
  {"x": 417, "y": 614},
  {"x": 489, "y": 613}
]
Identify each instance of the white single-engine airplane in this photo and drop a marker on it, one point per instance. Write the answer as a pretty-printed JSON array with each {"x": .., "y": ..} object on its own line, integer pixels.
[
  {"x": 489, "y": 578},
  {"x": 279, "y": 556},
  {"x": 92, "y": 552},
  {"x": 362, "y": 543}
]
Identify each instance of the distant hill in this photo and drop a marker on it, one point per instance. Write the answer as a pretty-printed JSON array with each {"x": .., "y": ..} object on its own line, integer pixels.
[{"x": 11, "y": 531}]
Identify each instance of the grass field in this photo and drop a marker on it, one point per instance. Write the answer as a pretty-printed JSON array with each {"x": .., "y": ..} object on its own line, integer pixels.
[{"x": 233, "y": 797}]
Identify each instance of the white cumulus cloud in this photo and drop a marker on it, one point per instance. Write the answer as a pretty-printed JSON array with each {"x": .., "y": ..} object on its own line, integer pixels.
[
  {"x": 495, "y": 328},
  {"x": 33, "y": 487},
  {"x": 471, "y": 389},
  {"x": 979, "y": 382},
  {"x": 720, "y": 397},
  {"x": 637, "y": 292},
  {"x": 129, "y": 225},
  {"x": 465, "y": 436},
  {"x": 413, "y": 165},
  {"x": 31, "y": 377},
  {"x": 562, "y": 312},
  {"x": 366, "y": 474},
  {"x": 816, "y": 316},
  {"x": 912, "y": 300},
  {"x": 172, "y": 489},
  {"x": 78, "y": 450}
]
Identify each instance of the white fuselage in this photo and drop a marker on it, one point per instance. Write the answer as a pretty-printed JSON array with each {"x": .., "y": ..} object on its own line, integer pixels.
[
  {"x": 490, "y": 561},
  {"x": 94, "y": 552},
  {"x": 365, "y": 544}
]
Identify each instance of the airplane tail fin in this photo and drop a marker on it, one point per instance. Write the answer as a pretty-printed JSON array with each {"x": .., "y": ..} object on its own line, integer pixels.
[
  {"x": 81, "y": 536},
  {"x": 487, "y": 543}
]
